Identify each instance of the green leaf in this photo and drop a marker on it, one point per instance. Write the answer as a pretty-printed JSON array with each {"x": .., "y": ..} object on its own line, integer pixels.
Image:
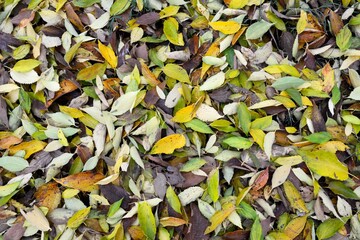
[
  {"x": 319, "y": 137},
  {"x": 257, "y": 30},
  {"x": 13, "y": 164},
  {"x": 199, "y": 126},
  {"x": 114, "y": 208},
  {"x": 295, "y": 95},
  {"x": 287, "y": 82},
  {"x": 343, "y": 39},
  {"x": 238, "y": 142},
  {"x": 173, "y": 199},
  {"x": 316, "y": 160},
  {"x": 193, "y": 164},
  {"x": 69, "y": 55},
  {"x": 213, "y": 185},
  {"x": 335, "y": 95},
  {"x": 355, "y": 20},
  {"x": 244, "y": 117},
  {"x": 256, "y": 230},
  {"x": 340, "y": 188},
  {"x": 25, "y": 101},
  {"x": 246, "y": 211},
  {"x": 119, "y": 7},
  {"x": 85, "y": 3},
  {"x": 147, "y": 220},
  {"x": 170, "y": 29},
  {"x": 328, "y": 228},
  {"x": 8, "y": 188}
]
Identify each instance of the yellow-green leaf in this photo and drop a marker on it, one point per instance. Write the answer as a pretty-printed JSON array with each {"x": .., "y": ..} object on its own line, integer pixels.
[
  {"x": 294, "y": 197},
  {"x": 108, "y": 54},
  {"x": 213, "y": 185},
  {"x": 170, "y": 29},
  {"x": 26, "y": 65},
  {"x": 8, "y": 188},
  {"x": 228, "y": 27},
  {"x": 69, "y": 55},
  {"x": 173, "y": 199},
  {"x": 219, "y": 217},
  {"x": 168, "y": 144},
  {"x": 78, "y": 218},
  {"x": 147, "y": 220},
  {"x": 177, "y": 72},
  {"x": 316, "y": 160},
  {"x": 119, "y": 6}
]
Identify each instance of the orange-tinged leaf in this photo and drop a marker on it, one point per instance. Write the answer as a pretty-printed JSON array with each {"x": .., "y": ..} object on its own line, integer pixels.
[
  {"x": 294, "y": 197},
  {"x": 7, "y": 139},
  {"x": 66, "y": 86},
  {"x": 261, "y": 180},
  {"x": 185, "y": 114},
  {"x": 168, "y": 144},
  {"x": 30, "y": 147},
  {"x": 295, "y": 227},
  {"x": 228, "y": 27},
  {"x": 329, "y": 78},
  {"x": 108, "y": 54},
  {"x": 213, "y": 51},
  {"x": 48, "y": 195},
  {"x": 172, "y": 221},
  {"x": 219, "y": 217},
  {"x": 332, "y": 146},
  {"x": 136, "y": 233},
  {"x": 83, "y": 181},
  {"x": 149, "y": 76}
]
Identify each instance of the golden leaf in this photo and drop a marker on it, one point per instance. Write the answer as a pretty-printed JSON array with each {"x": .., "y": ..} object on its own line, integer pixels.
[{"x": 168, "y": 144}]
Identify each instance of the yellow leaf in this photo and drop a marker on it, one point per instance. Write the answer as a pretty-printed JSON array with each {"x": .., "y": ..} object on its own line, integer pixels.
[
  {"x": 301, "y": 24},
  {"x": 169, "y": 11},
  {"x": 219, "y": 217},
  {"x": 332, "y": 146},
  {"x": 73, "y": 112},
  {"x": 213, "y": 51},
  {"x": 291, "y": 129},
  {"x": 306, "y": 101},
  {"x": 69, "y": 55},
  {"x": 83, "y": 181},
  {"x": 149, "y": 75},
  {"x": 185, "y": 114},
  {"x": 78, "y": 218},
  {"x": 280, "y": 68},
  {"x": 29, "y": 147},
  {"x": 108, "y": 54},
  {"x": 228, "y": 27},
  {"x": 294, "y": 197},
  {"x": 168, "y": 144},
  {"x": 237, "y": 4},
  {"x": 60, "y": 4},
  {"x": 287, "y": 102},
  {"x": 345, "y": 3},
  {"x": 90, "y": 73},
  {"x": 177, "y": 72},
  {"x": 295, "y": 227},
  {"x": 289, "y": 160},
  {"x": 258, "y": 136}
]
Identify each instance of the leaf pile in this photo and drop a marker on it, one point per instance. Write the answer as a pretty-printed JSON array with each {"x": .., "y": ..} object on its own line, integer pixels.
[{"x": 154, "y": 119}]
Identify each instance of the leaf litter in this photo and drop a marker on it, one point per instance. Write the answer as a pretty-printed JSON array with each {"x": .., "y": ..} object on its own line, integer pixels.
[{"x": 155, "y": 119}]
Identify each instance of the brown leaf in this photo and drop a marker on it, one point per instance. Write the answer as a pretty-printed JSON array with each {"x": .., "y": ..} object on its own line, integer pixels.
[
  {"x": 16, "y": 231},
  {"x": 197, "y": 224},
  {"x": 48, "y": 195},
  {"x": 237, "y": 235},
  {"x": 73, "y": 17},
  {"x": 317, "y": 119},
  {"x": 148, "y": 18},
  {"x": 83, "y": 181},
  {"x": 336, "y": 22},
  {"x": 8, "y": 40},
  {"x": 8, "y": 141},
  {"x": 261, "y": 180},
  {"x": 66, "y": 86}
]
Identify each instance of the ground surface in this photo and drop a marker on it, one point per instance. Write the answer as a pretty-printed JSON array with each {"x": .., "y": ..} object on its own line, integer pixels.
[{"x": 154, "y": 119}]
